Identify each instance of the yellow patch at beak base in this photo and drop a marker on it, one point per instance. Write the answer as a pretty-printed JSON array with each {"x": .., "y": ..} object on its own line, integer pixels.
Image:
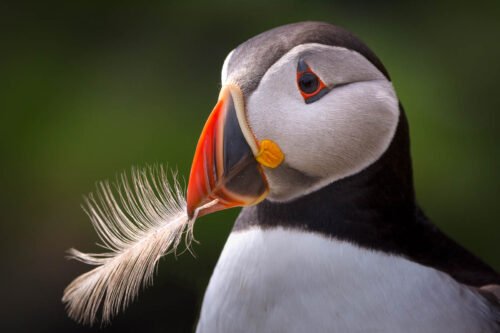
[{"x": 270, "y": 154}]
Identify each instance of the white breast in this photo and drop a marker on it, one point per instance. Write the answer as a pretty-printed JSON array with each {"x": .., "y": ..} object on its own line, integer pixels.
[{"x": 277, "y": 280}]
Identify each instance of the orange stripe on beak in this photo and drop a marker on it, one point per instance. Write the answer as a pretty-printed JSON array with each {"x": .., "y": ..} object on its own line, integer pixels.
[{"x": 224, "y": 166}]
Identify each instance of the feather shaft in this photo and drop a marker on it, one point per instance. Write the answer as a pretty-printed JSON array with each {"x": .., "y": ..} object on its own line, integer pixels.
[{"x": 138, "y": 222}]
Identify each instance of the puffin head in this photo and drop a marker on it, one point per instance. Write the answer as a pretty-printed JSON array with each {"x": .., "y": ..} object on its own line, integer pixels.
[{"x": 302, "y": 106}]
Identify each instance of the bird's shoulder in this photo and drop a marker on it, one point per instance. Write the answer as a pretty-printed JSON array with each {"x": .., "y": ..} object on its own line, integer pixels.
[
  {"x": 437, "y": 250},
  {"x": 431, "y": 247}
]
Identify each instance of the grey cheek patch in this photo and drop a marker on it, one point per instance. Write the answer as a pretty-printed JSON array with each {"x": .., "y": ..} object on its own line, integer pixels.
[{"x": 286, "y": 177}]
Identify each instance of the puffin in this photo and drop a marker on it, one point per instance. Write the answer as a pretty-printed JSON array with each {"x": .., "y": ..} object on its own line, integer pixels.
[{"x": 310, "y": 138}]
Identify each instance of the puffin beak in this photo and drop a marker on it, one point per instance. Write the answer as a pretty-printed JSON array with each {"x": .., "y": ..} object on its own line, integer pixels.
[{"x": 224, "y": 166}]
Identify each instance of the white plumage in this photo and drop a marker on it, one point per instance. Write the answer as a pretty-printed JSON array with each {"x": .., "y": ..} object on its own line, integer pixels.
[{"x": 279, "y": 280}]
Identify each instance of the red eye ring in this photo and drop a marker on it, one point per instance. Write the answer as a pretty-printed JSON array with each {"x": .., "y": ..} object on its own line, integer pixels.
[{"x": 311, "y": 87}]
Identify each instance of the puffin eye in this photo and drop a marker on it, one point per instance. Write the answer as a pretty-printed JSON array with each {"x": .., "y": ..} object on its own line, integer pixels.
[{"x": 310, "y": 85}]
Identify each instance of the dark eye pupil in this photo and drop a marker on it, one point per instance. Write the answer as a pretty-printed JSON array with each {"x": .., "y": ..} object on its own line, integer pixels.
[{"x": 308, "y": 83}]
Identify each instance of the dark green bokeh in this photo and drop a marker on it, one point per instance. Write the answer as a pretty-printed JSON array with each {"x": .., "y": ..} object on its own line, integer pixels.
[{"x": 89, "y": 89}]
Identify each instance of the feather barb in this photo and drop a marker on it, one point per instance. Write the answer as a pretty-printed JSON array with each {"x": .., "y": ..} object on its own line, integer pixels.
[{"x": 138, "y": 222}]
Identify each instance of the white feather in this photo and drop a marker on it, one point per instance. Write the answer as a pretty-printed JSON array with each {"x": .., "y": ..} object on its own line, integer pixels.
[{"x": 137, "y": 223}]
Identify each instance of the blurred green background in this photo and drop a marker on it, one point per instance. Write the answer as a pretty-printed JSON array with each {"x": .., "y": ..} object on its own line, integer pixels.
[{"x": 89, "y": 89}]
